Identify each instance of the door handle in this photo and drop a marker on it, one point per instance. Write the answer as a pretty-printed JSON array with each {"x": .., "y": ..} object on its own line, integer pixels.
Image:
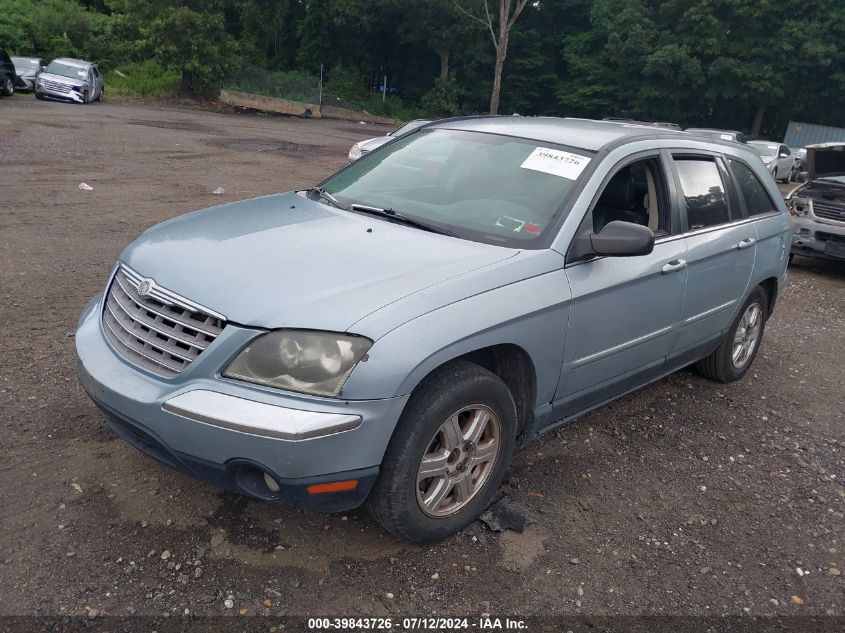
[
  {"x": 674, "y": 266},
  {"x": 748, "y": 242}
]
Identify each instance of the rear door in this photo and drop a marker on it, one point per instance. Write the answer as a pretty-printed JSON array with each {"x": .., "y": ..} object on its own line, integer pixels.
[{"x": 721, "y": 242}]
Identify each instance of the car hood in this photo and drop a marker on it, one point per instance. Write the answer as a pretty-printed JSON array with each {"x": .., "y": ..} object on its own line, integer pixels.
[
  {"x": 286, "y": 261},
  {"x": 62, "y": 79},
  {"x": 825, "y": 159},
  {"x": 374, "y": 143}
]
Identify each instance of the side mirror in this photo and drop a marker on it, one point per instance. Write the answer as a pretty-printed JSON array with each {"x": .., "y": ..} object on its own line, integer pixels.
[
  {"x": 782, "y": 155},
  {"x": 622, "y": 239},
  {"x": 615, "y": 239}
]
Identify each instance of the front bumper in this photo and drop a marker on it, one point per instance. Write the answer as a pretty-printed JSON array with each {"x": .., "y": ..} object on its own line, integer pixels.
[
  {"x": 25, "y": 83},
  {"x": 813, "y": 238},
  {"x": 230, "y": 434},
  {"x": 58, "y": 95}
]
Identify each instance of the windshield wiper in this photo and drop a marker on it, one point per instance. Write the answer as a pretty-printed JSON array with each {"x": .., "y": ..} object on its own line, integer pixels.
[
  {"x": 395, "y": 216},
  {"x": 318, "y": 193}
]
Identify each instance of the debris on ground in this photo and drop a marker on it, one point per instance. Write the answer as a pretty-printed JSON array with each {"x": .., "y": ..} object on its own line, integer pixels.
[
  {"x": 219, "y": 191},
  {"x": 507, "y": 514},
  {"x": 85, "y": 187}
]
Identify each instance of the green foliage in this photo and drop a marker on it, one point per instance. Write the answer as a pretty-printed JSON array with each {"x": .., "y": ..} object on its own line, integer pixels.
[
  {"x": 148, "y": 80},
  {"x": 442, "y": 100},
  {"x": 721, "y": 63},
  {"x": 55, "y": 28},
  {"x": 183, "y": 35}
]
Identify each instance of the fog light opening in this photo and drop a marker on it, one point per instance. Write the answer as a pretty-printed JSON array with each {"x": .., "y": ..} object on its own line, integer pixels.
[{"x": 271, "y": 483}]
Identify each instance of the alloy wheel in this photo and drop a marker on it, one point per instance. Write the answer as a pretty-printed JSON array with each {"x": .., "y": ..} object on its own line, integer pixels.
[
  {"x": 747, "y": 334},
  {"x": 458, "y": 460}
]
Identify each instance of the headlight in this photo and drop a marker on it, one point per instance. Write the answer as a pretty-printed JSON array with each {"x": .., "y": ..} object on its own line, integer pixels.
[
  {"x": 355, "y": 152},
  {"x": 300, "y": 360}
]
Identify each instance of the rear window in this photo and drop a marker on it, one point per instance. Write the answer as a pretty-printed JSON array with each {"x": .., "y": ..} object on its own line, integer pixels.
[
  {"x": 757, "y": 201},
  {"x": 25, "y": 62},
  {"x": 704, "y": 192}
]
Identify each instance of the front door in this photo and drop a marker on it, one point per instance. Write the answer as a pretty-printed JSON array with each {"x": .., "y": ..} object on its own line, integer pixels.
[{"x": 624, "y": 310}]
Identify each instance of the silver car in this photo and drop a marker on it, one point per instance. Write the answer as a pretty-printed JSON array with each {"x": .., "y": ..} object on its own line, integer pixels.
[
  {"x": 365, "y": 147},
  {"x": 818, "y": 205},
  {"x": 68, "y": 79},
  {"x": 777, "y": 158},
  {"x": 392, "y": 335},
  {"x": 28, "y": 69}
]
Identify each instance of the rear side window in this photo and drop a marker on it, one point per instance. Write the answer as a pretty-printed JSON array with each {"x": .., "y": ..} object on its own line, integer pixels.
[
  {"x": 757, "y": 201},
  {"x": 704, "y": 192}
]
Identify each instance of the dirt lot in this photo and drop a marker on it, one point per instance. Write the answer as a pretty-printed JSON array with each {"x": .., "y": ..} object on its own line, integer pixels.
[{"x": 686, "y": 498}]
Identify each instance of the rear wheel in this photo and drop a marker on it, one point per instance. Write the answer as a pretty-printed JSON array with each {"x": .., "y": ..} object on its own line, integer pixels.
[
  {"x": 738, "y": 349},
  {"x": 8, "y": 87},
  {"x": 448, "y": 455}
]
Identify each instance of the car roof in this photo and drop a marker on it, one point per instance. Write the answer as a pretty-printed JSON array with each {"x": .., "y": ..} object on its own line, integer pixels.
[
  {"x": 70, "y": 61},
  {"x": 582, "y": 133}
]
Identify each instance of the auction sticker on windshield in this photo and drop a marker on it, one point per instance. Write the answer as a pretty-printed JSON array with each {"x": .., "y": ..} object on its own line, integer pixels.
[{"x": 556, "y": 162}]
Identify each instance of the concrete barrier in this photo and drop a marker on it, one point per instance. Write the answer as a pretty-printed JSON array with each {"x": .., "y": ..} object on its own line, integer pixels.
[
  {"x": 298, "y": 108},
  {"x": 268, "y": 104}
]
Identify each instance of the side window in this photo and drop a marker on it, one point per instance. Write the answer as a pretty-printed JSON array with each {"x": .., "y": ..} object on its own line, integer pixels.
[
  {"x": 757, "y": 200},
  {"x": 636, "y": 193},
  {"x": 785, "y": 150},
  {"x": 703, "y": 191}
]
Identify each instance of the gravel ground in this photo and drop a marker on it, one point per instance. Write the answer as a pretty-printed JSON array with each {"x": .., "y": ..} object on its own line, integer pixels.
[{"x": 686, "y": 498}]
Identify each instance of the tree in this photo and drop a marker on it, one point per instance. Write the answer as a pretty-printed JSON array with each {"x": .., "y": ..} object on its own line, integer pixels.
[
  {"x": 503, "y": 21},
  {"x": 187, "y": 35}
]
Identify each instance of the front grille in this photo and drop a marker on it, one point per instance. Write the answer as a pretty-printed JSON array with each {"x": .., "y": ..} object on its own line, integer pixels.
[
  {"x": 55, "y": 86},
  {"x": 829, "y": 211},
  {"x": 830, "y": 237},
  {"x": 158, "y": 330}
]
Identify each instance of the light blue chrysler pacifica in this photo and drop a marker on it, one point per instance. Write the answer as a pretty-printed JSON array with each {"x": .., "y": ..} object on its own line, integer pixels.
[{"x": 390, "y": 336}]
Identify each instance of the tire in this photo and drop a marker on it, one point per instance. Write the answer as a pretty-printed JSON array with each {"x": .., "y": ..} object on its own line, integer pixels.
[
  {"x": 8, "y": 87},
  {"x": 402, "y": 501},
  {"x": 722, "y": 365},
  {"x": 792, "y": 175},
  {"x": 85, "y": 98},
  {"x": 39, "y": 96}
]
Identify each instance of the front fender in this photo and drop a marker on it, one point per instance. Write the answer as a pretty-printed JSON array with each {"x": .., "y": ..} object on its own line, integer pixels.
[{"x": 531, "y": 314}]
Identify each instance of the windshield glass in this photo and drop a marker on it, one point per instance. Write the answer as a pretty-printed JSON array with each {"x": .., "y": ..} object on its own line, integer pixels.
[
  {"x": 66, "y": 70},
  {"x": 765, "y": 149},
  {"x": 839, "y": 180},
  {"x": 24, "y": 62},
  {"x": 485, "y": 187}
]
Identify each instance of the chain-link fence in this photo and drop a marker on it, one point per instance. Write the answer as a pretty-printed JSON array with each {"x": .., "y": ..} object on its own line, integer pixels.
[{"x": 294, "y": 85}]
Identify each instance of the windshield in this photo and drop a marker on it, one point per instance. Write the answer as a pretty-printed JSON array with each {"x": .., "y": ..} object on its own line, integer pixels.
[
  {"x": 24, "y": 62},
  {"x": 765, "y": 149},
  {"x": 66, "y": 70},
  {"x": 485, "y": 187}
]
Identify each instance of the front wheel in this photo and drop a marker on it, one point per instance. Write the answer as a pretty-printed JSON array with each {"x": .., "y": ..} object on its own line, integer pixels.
[
  {"x": 738, "y": 349},
  {"x": 447, "y": 456}
]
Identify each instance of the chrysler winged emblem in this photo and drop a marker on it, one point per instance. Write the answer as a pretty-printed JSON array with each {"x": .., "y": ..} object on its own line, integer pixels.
[{"x": 144, "y": 287}]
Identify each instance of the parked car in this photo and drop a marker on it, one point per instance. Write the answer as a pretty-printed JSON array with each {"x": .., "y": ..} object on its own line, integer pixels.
[
  {"x": 28, "y": 69},
  {"x": 392, "y": 334},
  {"x": 818, "y": 205},
  {"x": 723, "y": 135},
  {"x": 7, "y": 74},
  {"x": 800, "y": 156},
  {"x": 365, "y": 147},
  {"x": 777, "y": 158},
  {"x": 69, "y": 79}
]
